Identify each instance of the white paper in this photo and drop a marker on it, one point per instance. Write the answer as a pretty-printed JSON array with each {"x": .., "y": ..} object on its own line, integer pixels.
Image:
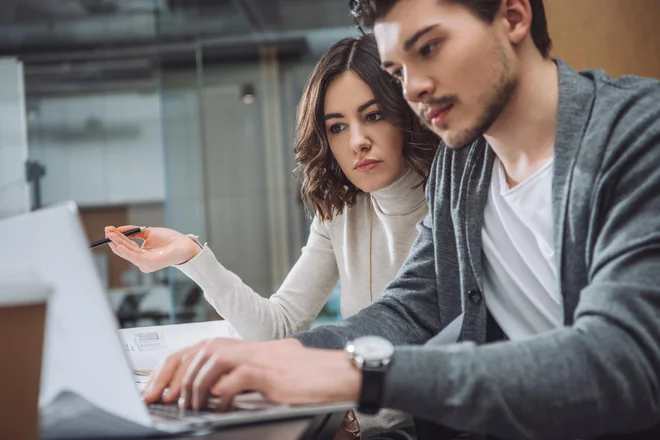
[{"x": 146, "y": 346}]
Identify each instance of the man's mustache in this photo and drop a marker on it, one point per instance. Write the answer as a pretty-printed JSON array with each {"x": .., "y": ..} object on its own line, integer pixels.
[{"x": 443, "y": 101}]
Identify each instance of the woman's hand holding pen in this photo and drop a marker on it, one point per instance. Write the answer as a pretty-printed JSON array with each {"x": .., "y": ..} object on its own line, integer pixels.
[{"x": 162, "y": 247}]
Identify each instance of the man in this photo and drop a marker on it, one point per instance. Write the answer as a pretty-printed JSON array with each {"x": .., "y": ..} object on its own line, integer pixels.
[{"x": 544, "y": 203}]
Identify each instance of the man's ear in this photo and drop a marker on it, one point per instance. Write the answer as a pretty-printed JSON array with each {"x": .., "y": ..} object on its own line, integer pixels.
[{"x": 516, "y": 17}]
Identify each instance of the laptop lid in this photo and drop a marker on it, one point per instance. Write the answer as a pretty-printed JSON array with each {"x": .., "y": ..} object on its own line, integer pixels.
[{"x": 82, "y": 348}]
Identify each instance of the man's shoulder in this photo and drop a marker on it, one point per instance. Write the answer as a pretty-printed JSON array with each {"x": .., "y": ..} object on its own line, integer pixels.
[
  {"x": 623, "y": 82},
  {"x": 626, "y": 110},
  {"x": 622, "y": 135},
  {"x": 624, "y": 95}
]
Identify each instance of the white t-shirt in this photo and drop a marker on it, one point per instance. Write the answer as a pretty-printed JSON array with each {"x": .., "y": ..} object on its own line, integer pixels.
[{"x": 520, "y": 274}]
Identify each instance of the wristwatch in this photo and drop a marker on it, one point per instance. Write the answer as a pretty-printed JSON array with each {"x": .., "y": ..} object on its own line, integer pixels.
[{"x": 371, "y": 354}]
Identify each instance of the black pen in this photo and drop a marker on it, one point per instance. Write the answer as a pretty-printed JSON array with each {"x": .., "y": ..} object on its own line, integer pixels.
[{"x": 107, "y": 240}]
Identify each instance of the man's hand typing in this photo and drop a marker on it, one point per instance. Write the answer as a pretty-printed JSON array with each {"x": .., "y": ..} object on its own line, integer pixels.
[{"x": 283, "y": 371}]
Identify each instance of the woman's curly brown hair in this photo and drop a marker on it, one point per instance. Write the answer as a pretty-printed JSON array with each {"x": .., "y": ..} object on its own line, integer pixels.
[{"x": 325, "y": 189}]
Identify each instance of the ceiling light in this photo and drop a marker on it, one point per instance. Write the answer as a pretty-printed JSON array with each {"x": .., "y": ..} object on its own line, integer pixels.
[{"x": 247, "y": 94}]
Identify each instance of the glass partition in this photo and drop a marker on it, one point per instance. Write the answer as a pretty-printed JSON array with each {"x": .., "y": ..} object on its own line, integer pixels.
[{"x": 178, "y": 114}]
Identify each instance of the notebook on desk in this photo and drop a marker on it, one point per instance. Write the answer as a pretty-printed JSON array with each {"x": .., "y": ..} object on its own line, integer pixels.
[{"x": 84, "y": 355}]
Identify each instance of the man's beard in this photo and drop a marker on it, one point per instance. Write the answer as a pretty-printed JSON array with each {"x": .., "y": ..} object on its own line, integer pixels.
[{"x": 501, "y": 95}]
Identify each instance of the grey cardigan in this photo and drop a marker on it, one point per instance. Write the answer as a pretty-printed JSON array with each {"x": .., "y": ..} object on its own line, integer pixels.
[{"x": 597, "y": 375}]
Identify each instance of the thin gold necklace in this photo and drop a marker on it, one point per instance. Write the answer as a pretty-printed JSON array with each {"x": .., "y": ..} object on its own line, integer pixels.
[{"x": 371, "y": 211}]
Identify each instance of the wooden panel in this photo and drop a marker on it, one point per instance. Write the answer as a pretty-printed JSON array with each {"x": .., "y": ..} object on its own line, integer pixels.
[
  {"x": 620, "y": 36},
  {"x": 21, "y": 336},
  {"x": 94, "y": 220}
]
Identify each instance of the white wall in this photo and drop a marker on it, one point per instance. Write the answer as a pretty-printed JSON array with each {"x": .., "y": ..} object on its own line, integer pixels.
[
  {"x": 215, "y": 168},
  {"x": 237, "y": 195},
  {"x": 151, "y": 214},
  {"x": 99, "y": 149},
  {"x": 14, "y": 196},
  {"x": 294, "y": 77}
]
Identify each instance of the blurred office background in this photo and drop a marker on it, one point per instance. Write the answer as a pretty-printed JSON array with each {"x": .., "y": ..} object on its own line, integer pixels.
[{"x": 181, "y": 113}]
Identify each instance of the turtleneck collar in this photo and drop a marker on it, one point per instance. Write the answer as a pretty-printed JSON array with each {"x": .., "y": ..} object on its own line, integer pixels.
[{"x": 401, "y": 197}]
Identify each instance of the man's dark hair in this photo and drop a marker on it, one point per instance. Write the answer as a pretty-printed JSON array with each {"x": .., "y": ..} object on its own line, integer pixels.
[{"x": 367, "y": 12}]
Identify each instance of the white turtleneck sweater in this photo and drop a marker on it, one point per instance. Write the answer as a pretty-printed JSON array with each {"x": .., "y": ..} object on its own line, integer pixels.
[{"x": 337, "y": 250}]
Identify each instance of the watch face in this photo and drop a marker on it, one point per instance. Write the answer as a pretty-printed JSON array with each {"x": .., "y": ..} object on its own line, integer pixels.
[{"x": 373, "y": 349}]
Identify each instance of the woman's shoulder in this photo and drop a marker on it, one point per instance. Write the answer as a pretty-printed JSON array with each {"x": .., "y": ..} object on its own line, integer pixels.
[{"x": 349, "y": 218}]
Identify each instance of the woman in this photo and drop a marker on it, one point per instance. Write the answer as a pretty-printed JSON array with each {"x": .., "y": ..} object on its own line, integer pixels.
[{"x": 363, "y": 158}]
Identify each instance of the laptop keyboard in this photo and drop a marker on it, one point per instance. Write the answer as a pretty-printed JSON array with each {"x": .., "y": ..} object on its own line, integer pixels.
[{"x": 173, "y": 412}]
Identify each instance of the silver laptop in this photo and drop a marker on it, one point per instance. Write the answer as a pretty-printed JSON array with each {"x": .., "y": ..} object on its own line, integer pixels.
[{"x": 83, "y": 353}]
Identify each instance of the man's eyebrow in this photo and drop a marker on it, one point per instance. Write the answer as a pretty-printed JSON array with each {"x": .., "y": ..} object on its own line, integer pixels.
[{"x": 410, "y": 42}]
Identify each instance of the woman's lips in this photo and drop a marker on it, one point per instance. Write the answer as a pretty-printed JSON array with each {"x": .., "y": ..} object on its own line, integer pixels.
[{"x": 366, "y": 164}]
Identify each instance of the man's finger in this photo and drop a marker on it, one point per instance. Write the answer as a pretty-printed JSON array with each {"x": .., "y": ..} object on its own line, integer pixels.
[
  {"x": 174, "y": 387},
  {"x": 161, "y": 377},
  {"x": 192, "y": 369},
  {"x": 209, "y": 374},
  {"x": 243, "y": 378}
]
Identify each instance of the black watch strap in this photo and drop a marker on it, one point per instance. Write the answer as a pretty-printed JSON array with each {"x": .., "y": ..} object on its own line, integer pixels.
[{"x": 373, "y": 385}]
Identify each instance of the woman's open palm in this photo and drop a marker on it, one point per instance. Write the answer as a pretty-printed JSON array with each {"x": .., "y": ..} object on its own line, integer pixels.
[{"x": 162, "y": 247}]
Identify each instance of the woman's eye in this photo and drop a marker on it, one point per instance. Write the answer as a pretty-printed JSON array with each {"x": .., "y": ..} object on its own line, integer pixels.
[
  {"x": 375, "y": 116},
  {"x": 336, "y": 128},
  {"x": 427, "y": 48},
  {"x": 397, "y": 74}
]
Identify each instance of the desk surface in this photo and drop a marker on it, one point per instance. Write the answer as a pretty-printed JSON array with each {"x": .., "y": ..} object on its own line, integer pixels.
[
  {"x": 320, "y": 427},
  {"x": 283, "y": 430}
]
